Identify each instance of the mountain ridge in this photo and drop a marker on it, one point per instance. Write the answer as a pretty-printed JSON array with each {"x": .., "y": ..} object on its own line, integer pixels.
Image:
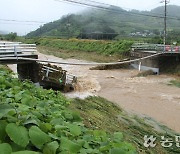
[{"x": 118, "y": 21}]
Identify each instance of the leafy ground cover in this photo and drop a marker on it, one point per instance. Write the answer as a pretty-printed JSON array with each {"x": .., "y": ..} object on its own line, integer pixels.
[
  {"x": 118, "y": 48},
  {"x": 35, "y": 120},
  {"x": 98, "y": 113}
]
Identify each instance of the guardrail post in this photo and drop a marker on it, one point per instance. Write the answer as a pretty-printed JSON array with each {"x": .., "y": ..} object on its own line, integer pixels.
[
  {"x": 47, "y": 72},
  {"x": 15, "y": 52},
  {"x": 140, "y": 63}
]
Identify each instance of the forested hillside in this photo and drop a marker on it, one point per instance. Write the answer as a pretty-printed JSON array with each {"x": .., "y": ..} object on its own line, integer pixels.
[{"x": 116, "y": 23}]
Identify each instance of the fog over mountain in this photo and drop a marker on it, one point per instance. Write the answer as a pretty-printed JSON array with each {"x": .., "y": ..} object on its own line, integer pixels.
[
  {"x": 121, "y": 21},
  {"x": 45, "y": 11}
]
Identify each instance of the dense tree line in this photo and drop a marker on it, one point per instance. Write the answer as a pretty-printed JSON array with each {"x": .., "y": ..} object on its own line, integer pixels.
[
  {"x": 92, "y": 22},
  {"x": 9, "y": 37}
]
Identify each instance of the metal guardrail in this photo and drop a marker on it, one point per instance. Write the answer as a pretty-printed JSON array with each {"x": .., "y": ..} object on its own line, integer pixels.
[
  {"x": 54, "y": 74},
  {"x": 155, "y": 47},
  {"x": 15, "y": 49}
]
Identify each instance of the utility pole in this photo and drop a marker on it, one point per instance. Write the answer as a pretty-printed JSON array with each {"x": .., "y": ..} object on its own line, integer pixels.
[{"x": 165, "y": 21}]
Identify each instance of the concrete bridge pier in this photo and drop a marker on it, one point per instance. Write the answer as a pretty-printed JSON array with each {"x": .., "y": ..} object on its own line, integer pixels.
[
  {"x": 162, "y": 63},
  {"x": 152, "y": 63},
  {"x": 169, "y": 62},
  {"x": 28, "y": 71}
]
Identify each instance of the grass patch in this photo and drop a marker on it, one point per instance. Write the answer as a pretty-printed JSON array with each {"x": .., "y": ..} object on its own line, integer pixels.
[
  {"x": 76, "y": 47},
  {"x": 145, "y": 73},
  {"x": 175, "y": 83},
  {"x": 98, "y": 113},
  {"x": 81, "y": 55}
]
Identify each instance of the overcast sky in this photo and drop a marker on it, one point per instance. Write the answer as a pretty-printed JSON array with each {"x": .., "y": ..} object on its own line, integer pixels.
[{"x": 50, "y": 10}]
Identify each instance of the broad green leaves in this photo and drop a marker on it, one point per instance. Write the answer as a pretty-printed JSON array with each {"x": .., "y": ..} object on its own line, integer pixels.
[
  {"x": 69, "y": 146},
  {"x": 2, "y": 130},
  {"x": 33, "y": 119},
  {"x": 18, "y": 134},
  {"x": 75, "y": 130},
  {"x": 5, "y": 148},
  {"x": 118, "y": 151},
  {"x": 38, "y": 137},
  {"x": 51, "y": 148},
  {"x": 25, "y": 152},
  {"x": 4, "y": 109}
]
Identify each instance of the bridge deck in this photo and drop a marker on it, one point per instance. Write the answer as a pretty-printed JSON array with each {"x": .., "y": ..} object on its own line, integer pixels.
[
  {"x": 155, "y": 48},
  {"x": 16, "y": 49}
]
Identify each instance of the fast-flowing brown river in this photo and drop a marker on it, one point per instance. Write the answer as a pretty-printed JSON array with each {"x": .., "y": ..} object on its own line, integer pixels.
[{"x": 149, "y": 96}]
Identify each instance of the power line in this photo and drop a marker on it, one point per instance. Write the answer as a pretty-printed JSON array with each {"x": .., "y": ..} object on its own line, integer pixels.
[
  {"x": 31, "y": 24},
  {"x": 109, "y": 9},
  {"x": 99, "y": 3},
  {"x": 115, "y": 10},
  {"x": 23, "y": 21},
  {"x": 18, "y": 24},
  {"x": 90, "y": 64},
  {"x": 99, "y": 6}
]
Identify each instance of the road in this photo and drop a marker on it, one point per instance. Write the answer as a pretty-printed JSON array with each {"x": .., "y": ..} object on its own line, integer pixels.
[{"x": 146, "y": 96}]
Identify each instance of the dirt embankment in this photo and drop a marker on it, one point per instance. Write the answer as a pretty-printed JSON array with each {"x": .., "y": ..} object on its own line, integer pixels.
[{"x": 149, "y": 96}]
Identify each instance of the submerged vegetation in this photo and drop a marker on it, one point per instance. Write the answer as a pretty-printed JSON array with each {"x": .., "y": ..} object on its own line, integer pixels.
[{"x": 175, "y": 83}]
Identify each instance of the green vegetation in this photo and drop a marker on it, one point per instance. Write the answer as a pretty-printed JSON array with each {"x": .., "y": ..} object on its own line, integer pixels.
[
  {"x": 101, "y": 47},
  {"x": 145, "y": 73},
  {"x": 9, "y": 37},
  {"x": 81, "y": 55},
  {"x": 175, "y": 83},
  {"x": 98, "y": 113},
  {"x": 103, "y": 22},
  {"x": 92, "y": 50},
  {"x": 36, "y": 120}
]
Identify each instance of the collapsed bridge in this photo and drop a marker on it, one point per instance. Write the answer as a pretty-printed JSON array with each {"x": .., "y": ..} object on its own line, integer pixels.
[
  {"x": 48, "y": 76},
  {"x": 143, "y": 57}
]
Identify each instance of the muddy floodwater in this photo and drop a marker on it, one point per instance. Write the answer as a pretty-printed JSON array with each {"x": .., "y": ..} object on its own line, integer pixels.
[{"x": 150, "y": 96}]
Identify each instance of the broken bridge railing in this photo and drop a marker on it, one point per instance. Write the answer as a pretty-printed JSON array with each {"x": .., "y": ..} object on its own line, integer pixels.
[
  {"x": 52, "y": 74},
  {"x": 155, "y": 47}
]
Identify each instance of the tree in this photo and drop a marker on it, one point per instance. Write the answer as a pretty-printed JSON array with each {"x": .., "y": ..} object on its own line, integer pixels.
[{"x": 11, "y": 36}]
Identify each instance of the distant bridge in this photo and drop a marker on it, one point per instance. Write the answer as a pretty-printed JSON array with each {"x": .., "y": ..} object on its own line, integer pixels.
[
  {"x": 169, "y": 55},
  {"x": 155, "y": 48}
]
